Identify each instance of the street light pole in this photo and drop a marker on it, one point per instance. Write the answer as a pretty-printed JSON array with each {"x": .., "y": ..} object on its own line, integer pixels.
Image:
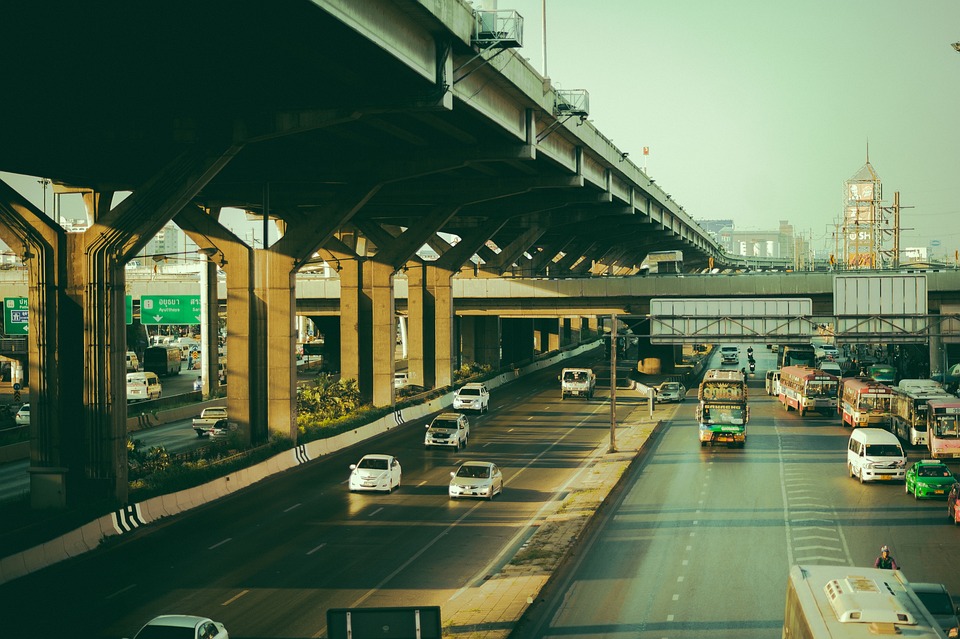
[{"x": 613, "y": 383}]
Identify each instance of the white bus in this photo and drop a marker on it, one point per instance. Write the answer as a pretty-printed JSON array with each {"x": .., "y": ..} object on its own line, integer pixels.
[
  {"x": 829, "y": 602},
  {"x": 909, "y": 409}
]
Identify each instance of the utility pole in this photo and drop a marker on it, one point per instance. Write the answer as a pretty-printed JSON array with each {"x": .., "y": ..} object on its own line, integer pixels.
[{"x": 613, "y": 383}]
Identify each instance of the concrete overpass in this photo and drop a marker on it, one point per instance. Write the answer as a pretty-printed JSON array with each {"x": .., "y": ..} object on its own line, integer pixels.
[{"x": 360, "y": 129}]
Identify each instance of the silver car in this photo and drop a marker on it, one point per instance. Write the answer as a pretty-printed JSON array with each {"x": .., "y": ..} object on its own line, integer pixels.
[{"x": 476, "y": 479}]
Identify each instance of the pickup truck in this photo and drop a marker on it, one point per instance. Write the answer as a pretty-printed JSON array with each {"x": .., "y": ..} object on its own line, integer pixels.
[
  {"x": 210, "y": 420},
  {"x": 577, "y": 382}
]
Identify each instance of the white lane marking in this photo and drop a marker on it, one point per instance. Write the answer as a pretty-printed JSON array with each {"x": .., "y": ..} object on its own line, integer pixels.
[
  {"x": 689, "y": 548},
  {"x": 220, "y": 543},
  {"x": 685, "y": 562},
  {"x": 317, "y": 548},
  {"x": 669, "y": 617},
  {"x": 376, "y": 511},
  {"x": 680, "y": 579},
  {"x": 676, "y": 597},
  {"x": 121, "y": 591},
  {"x": 292, "y": 507},
  {"x": 422, "y": 483},
  {"x": 234, "y": 598},
  {"x": 511, "y": 430}
]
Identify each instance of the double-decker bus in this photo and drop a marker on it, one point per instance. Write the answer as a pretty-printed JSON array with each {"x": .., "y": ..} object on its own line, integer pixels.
[
  {"x": 829, "y": 602},
  {"x": 722, "y": 412},
  {"x": 864, "y": 402},
  {"x": 908, "y": 414},
  {"x": 803, "y": 389},
  {"x": 943, "y": 427}
]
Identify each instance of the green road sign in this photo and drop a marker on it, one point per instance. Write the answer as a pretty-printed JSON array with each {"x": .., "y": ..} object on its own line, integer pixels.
[
  {"x": 170, "y": 309},
  {"x": 15, "y": 315}
]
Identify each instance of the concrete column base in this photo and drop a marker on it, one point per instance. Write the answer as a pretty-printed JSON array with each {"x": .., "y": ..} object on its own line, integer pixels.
[{"x": 48, "y": 487}]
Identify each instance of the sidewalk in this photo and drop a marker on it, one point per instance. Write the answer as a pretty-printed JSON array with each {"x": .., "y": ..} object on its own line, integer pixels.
[{"x": 491, "y": 610}]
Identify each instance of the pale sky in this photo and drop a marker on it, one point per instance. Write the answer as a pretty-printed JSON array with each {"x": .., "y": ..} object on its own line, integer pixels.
[{"x": 759, "y": 110}]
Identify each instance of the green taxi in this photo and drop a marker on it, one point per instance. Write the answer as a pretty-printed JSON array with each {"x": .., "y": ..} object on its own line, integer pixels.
[{"x": 928, "y": 478}]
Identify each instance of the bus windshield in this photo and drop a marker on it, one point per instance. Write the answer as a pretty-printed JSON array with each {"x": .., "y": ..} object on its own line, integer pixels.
[
  {"x": 715, "y": 414},
  {"x": 947, "y": 426},
  {"x": 875, "y": 402},
  {"x": 821, "y": 389}
]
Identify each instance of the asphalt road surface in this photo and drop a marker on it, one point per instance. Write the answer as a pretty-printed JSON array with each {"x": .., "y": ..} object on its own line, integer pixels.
[
  {"x": 270, "y": 560},
  {"x": 700, "y": 541}
]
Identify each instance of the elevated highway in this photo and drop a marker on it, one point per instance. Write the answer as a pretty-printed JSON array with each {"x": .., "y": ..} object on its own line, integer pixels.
[{"x": 361, "y": 130}]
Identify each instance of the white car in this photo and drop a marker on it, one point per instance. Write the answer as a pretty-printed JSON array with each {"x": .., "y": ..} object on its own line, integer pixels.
[
  {"x": 450, "y": 430},
  {"x": 22, "y": 418},
  {"x": 182, "y": 627},
  {"x": 375, "y": 472},
  {"x": 670, "y": 392},
  {"x": 476, "y": 479},
  {"x": 472, "y": 396}
]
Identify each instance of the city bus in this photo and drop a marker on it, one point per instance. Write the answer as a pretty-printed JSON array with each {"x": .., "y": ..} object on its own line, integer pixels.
[
  {"x": 796, "y": 355},
  {"x": 883, "y": 373},
  {"x": 943, "y": 427},
  {"x": 864, "y": 402},
  {"x": 830, "y": 602},
  {"x": 163, "y": 359},
  {"x": 722, "y": 412},
  {"x": 908, "y": 411},
  {"x": 803, "y": 389}
]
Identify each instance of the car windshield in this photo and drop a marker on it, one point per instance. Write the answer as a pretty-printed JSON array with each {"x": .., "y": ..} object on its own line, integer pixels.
[
  {"x": 937, "y": 603},
  {"x": 479, "y": 472},
  {"x": 578, "y": 376},
  {"x": 933, "y": 471},
  {"x": 166, "y": 632},
  {"x": 469, "y": 392},
  {"x": 670, "y": 386},
  {"x": 374, "y": 463},
  {"x": 443, "y": 423},
  {"x": 884, "y": 450}
]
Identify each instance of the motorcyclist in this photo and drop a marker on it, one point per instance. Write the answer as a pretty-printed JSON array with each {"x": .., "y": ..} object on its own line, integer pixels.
[
  {"x": 886, "y": 560},
  {"x": 753, "y": 366}
]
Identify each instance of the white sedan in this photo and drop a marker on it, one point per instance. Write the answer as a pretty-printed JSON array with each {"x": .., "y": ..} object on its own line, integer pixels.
[
  {"x": 182, "y": 627},
  {"x": 375, "y": 472},
  {"x": 22, "y": 418},
  {"x": 476, "y": 479},
  {"x": 670, "y": 392}
]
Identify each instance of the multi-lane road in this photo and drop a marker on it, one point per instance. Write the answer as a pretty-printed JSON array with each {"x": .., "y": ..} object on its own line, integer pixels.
[
  {"x": 700, "y": 542},
  {"x": 696, "y": 543}
]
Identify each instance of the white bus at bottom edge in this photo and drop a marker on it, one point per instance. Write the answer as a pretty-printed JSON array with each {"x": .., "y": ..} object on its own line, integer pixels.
[{"x": 829, "y": 602}]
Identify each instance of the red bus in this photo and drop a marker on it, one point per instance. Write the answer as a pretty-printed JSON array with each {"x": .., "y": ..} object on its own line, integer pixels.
[
  {"x": 943, "y": 428},
  {"x": 803, "y": 388},
  {"x": 864, "y": 402}
]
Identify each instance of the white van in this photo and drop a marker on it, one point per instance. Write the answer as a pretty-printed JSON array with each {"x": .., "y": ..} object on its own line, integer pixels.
[
  {"x": 143, "y": 386},
  {"x": 874, "y": 454},
  {"x": 772, "y": 382},
  {"x": 133, "y": 362},
  {"x": 729, "y": 354}
]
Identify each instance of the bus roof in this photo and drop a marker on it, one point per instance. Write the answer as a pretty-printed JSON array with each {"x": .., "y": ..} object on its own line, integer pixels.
[
  {"x": 722, "y": 375},
  {"x": 865, "y": 384},
  {"x": 850, "y": 602},
  {"x": 944, "y": 402},
  {"x": 807, "y": 372}
]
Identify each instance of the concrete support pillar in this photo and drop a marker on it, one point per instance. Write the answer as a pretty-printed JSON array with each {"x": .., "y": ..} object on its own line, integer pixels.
[
  {"x": 470, "y": 325},
  {"x": 438, "y": 305},
  {"x": 368, "y": 329},
  {"x": 546, "y": 335},
  {"x": 276, "y": 292},
  {"x": 381, "y": 308},
  {"x": 567, "y": 335},
  {"x": 350, "y": 321},
  {"x": 592, "y": 328},
  {"x": 210, "y": 327},
  {"x": 418, "y": 364},
  {"x": 517, "y": 339},
  {"x": 487, "y": 341}
]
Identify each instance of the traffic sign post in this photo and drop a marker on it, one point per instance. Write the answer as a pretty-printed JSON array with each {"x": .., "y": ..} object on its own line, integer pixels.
[
  {"x": 170, "y": 309},
  {"x": 16, "y": 314}
]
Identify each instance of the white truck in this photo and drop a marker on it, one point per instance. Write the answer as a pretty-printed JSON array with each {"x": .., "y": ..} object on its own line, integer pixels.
[
  {"x": 577, "y": 382},
  {"x": 211, "y": 419}
]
